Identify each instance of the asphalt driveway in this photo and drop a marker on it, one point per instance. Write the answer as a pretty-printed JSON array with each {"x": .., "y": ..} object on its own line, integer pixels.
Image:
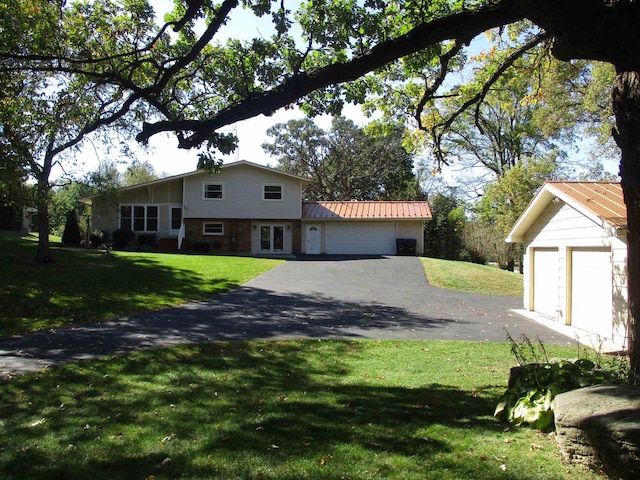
[{"x": 311, "y": 297}]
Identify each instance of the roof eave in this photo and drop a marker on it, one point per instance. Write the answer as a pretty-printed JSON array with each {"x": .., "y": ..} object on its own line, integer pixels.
[{"x": 528, "y": 217}]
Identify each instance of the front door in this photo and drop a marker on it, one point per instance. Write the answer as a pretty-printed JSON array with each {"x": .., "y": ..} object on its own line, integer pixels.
[
  {"x": 176, "y": 220},
  {"x": 271, "y": 238},
  {"x": 313, "y": 240}
]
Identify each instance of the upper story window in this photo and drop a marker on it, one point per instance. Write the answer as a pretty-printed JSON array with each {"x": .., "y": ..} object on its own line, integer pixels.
[
  {"x": 272, "y": 192},
  {"x": 213, "y": 191},
  {"x": 139, "y": 218}
]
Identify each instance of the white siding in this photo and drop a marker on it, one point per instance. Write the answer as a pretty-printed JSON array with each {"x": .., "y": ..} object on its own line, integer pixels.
[
  {"x": 104, "y": 214},
  {"x": 561, "y": 226},
  {"x": 105, "y": 210},
  {"x": 620, "y": 291},
  {"x": 243, "y": 188}
]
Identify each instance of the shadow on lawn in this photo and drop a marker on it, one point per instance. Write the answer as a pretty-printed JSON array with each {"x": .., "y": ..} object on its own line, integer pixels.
[
  {"x": 242, "y": 314},
  {"x": 238, "y": 410},
  {"x": 72, "y": 288}
]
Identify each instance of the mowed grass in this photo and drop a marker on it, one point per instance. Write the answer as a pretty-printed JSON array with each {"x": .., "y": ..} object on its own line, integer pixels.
[
  {"x": 87, "y": 286},
  {"x": 472, "y": 278},
  {"x": 305, "y": 409}
]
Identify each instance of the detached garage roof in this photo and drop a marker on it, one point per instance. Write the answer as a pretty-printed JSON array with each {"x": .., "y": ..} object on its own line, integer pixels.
[
  {"x": 366, "y": 210},
  {"x": 603, "y": 202}
]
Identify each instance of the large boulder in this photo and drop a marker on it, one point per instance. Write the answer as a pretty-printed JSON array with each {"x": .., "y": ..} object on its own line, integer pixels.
[{"x": 600, "y": 427}]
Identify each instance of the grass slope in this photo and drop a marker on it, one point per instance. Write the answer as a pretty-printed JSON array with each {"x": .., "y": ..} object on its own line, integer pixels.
[
  {"x": 85, "y": 285},
  {"x": 283, "y": 410},
  {"x": 472, "y": 278}
]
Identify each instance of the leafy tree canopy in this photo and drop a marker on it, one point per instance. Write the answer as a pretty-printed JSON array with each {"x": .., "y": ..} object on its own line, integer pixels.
[{"x": 344, "y": 163}]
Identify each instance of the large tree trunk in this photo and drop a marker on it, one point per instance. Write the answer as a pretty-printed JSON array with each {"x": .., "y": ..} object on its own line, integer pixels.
[
  {"x": 43, "y": 253},
  {"x": 626, "y": 106}
]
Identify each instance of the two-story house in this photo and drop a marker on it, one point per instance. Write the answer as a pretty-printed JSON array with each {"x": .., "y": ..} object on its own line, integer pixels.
[{"x": 250, "y": 208}]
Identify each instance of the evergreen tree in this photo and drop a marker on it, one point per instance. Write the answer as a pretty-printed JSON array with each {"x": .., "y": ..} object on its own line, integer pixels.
[{"x": 71, "y": 235}]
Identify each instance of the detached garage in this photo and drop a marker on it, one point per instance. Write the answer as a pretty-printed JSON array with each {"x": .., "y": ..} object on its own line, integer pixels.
[
  {"x": 575, "y": 255},
  {"x": 362, "y": 228}
]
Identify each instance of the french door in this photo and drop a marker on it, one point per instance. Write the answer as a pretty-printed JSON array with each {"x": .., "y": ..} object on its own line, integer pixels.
[{"x": 271, "y": 238}]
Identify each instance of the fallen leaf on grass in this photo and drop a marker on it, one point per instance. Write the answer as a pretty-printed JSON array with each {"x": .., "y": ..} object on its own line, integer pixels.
[
  {"x": 325, "y": 460},
  {"x": 37, "y": 422}
]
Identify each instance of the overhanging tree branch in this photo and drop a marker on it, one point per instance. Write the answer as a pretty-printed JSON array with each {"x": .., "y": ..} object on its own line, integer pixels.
[
  {"x": 461, "y": 25},
  {"x": 438, "y": 130}
]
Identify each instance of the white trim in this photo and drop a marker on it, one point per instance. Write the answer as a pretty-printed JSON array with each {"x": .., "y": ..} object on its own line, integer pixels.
[
  {"x": 204, "y": 228},
  {"x": 265, "y": 185},
  {"x": 272, "y": 226},
  {"x": 546, "y": 194},
  {"x": 175, "y": 231},
  {"x": 133, "y": 217},
  {"x": 204, "y": 191}
]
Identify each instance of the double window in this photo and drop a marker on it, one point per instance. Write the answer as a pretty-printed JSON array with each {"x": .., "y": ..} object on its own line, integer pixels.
[
  {"x": 139, "y": 218},
  {"x": 213, "y": 191},
  {"x": 271, "y": 192}
]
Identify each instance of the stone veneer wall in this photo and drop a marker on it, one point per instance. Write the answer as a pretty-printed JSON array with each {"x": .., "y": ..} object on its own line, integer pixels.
[
  {"x": 296, "y": 237},
  {"x": 237, "y": 229},
  {"x": 236, "y": 238}
]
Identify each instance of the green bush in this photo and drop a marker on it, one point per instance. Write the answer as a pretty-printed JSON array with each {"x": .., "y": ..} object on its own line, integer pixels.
[
  {"x": 535, "y": 383},
  {"x": 147, "y": 239},
  {"x": 71, "y": 234},
  {"x": 201, "y": 247},
  {"x": 121, "y": 238},
  {"x": 97, "y": 238},
  {"x": 532, "y": 388}
]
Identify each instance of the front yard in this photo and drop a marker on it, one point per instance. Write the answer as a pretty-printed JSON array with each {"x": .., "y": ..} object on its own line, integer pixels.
[
  {"x": 315, "y": 409},
  {"x": 86, "y": 286},
  {"x": 273, "y": 410}
]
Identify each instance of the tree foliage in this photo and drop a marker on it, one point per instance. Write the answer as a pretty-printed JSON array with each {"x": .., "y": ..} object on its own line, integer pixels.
[
  {"x": 48, "y": 111},
  {"x": 139, "y": 172},
  {"x": 344, "y": 163},
  {"x": 443, "y": 234},
  {"x": 71, "y": 234}
]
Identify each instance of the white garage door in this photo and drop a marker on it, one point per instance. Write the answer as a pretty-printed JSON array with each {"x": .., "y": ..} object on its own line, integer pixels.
[
  {"x": 591, "y": 290},
  {"x": 545, "y": 281},
  {"x": 365, "y": 238}
]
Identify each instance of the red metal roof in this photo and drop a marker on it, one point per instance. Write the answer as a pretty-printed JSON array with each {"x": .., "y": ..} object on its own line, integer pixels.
[
  {"x": 604, "y": 199},
  {"x": 366, "y": 210}
]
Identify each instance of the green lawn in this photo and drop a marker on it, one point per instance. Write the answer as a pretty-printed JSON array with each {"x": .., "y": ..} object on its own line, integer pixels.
[
  {"x": 472, "y": 278},
  {"x": 306, "y": 409},
  {"x": 85, "y": 285},
  {"x": 284, "y": 410}
]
